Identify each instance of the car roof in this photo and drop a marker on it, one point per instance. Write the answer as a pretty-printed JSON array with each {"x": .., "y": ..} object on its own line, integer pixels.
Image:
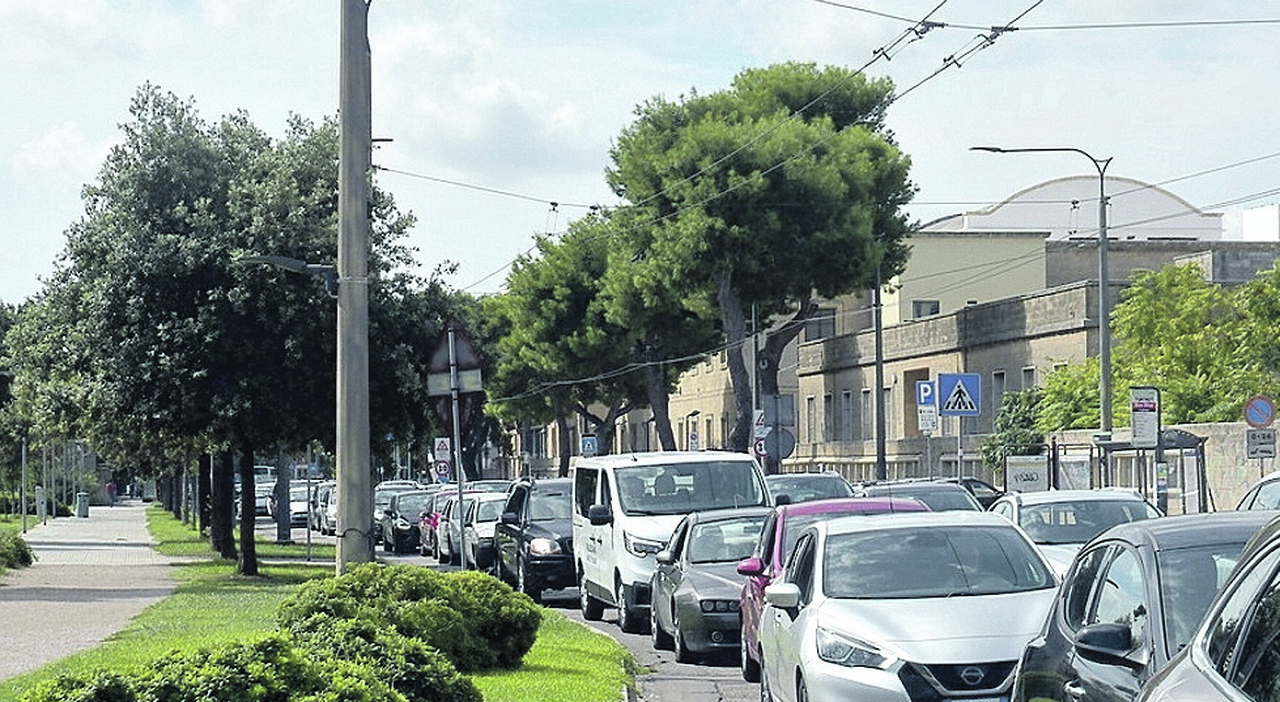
[
  {"x": 1187, "y": 530},
  {"x": 716, "y": 515},
  {"x": 852, "y": 523},
  {"x": 661, "y": 458},
  {"x": 1051, "y": 496},
  {"x": 852, "y": 504}
]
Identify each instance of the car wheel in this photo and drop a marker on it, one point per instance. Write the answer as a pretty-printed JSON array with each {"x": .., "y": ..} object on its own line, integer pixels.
[
  {"x": 628, "y": 620},
  {"x": 526, "y": 585},
  {"x": 683, "y": 654},
  {"x": 750, "y": 666},
  {"x": 592, "y": 609},
  {"x": 662, "y": 641}
]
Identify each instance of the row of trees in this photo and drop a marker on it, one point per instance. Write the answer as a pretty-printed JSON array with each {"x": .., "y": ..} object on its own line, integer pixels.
[
  {"x": 151, "y": 343},
  {"x": 757, "y": 199},
  {"x": 1209, "y": 348}
]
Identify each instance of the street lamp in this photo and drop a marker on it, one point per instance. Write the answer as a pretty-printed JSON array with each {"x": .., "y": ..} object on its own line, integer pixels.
[{"x": 1104, "y": 308}]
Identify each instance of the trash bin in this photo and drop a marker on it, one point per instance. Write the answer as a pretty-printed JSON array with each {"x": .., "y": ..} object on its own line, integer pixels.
[{"x": 82, "y": 504}]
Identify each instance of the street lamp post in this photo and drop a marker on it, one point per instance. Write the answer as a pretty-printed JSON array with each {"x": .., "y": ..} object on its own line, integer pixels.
[{"x": 1104, "y": 306}]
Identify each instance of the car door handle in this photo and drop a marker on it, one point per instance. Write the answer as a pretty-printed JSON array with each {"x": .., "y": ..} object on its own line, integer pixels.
[{"x": 1073, "y": 689}]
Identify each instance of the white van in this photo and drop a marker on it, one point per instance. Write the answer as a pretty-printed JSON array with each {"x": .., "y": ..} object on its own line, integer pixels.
[{"x": 625, "y": 507}]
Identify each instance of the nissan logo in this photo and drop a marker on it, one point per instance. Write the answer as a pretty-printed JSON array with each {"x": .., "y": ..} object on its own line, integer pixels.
[{"x": 972, "y": 675}]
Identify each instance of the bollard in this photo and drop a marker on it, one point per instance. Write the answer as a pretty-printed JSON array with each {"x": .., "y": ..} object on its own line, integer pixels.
[
  {"x": 42, "y": 504},
  {"x": 82, "y": 504}
]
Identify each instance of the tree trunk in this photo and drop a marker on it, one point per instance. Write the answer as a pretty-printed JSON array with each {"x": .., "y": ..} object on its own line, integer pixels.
[
  {"x": 563, "y": 445},
  {"x": 248, "y": 514},
  {"x": 655, "y": 380},
  {"x": 223, "y": 507},
  {"x": 604, "y": 427},
  {"x": 203, "y": 492},
  {"x": 735, "y": 331}
]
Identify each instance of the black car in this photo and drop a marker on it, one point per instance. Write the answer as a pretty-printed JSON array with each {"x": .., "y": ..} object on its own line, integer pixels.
[
  {"x": 400, "y": 520},
  {"x": 1132, "y": 599},
  {"x": 1235, "y": 654},
  {"x": 787, "y": 488},
  {"x": 939, "y": 496},
  {"x": 534, "y": 538}
]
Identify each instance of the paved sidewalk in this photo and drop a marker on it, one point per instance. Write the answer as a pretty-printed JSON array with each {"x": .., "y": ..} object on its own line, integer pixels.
[{"x": 92, "y": 575}]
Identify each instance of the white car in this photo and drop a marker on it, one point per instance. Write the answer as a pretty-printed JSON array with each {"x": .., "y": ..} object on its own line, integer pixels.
[
  {"x": 893, "y": 608},
  {"x": 1060, "y": 522}
]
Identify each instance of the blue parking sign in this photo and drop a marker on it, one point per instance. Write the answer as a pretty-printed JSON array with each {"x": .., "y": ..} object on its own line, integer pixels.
[
  {"x": 925, "y": 393},
  {"x": 960, "y": 393}
]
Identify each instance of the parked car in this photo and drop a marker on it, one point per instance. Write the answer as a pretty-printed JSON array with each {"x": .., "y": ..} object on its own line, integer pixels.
[
  {"x": 985, "y": 493},
  {"x": 778, "y": 535},
  {"x": 1132, "y": 598},
  {"x": 1235, "y": 653},
  {"x": 940, "y": 496},
  {"x": 626, "y": 506},
  {"x": 1264, "y": 494},
  {"x": 482, "y": 520},
  {"x": 1061, "y": 521},
  {"x": 695, "y": 598},
  {"x": 802, "y": 487},
  {"x": 382, "y": 497},
  {"x": 429, "y": 525},
  {"x": 923, "y": 606},
  {"x": 400, "y": 520},
  {"x": 299, "y": 504},
  {"x": 327, "y": 509},
  {"x": 534, "y": 538},
  {"x": 449, "y": 533}
]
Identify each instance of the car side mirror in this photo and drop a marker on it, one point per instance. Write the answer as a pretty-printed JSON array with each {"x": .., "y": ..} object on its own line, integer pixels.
[
  {"x": 751, "y": 567},
  {"x": 1108, "y": 643},
  {"x": 665, "y": 557},
  {"x": 783, "y": 499},
  {"x": 599, "y": 515},
  {"x": 783, "y": 595},
  {"x": 389, "y": 512},
  {"x": 510, "y": 518}
]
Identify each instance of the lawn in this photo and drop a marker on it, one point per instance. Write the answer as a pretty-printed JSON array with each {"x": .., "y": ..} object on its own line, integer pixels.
[{"x": 213, "y": 605}]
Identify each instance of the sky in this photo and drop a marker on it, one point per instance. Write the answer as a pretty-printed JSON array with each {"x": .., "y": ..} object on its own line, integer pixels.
[{"x": 498, "y": 108}]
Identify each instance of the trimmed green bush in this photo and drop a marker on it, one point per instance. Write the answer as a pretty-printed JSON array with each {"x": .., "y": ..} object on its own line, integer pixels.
[
  {"x": 100, "y": 687},
  {"x": 476, "y": 621},
  {"x": 15, "y": 552},
  {"x": 418, "y": 672}
]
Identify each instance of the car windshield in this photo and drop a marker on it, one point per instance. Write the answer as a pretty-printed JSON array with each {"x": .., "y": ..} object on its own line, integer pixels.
[
  {"x": 1077, "y": 521},
  {"x": 489, "y": 510},
  {"x": 931, "y": 562},
  {"x": 550, "y": 506},
  {"x": 681, "y": 488},
  {"x": 802, "y": 488},
  {"x": 939, "y": 498},
  {"x": 1189, "y": 578},
  {"x": 724, "y": 540},
  {"x": 412, "y": 505}
]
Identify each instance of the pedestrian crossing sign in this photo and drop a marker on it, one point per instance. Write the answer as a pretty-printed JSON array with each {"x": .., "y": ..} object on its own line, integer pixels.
[{"x": 960, "y": 394}]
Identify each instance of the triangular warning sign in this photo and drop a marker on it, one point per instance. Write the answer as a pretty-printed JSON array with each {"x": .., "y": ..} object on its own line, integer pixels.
[{"x": 959, "y": 400}]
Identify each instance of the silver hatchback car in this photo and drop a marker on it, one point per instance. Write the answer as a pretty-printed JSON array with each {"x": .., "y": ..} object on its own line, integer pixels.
[{"x": 894, "y": 608}]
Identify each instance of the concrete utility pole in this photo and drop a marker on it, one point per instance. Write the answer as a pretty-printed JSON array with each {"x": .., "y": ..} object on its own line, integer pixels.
[{"x": 355, "y": 496}]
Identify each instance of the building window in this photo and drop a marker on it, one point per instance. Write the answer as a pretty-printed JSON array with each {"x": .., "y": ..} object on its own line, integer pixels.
[
  {"x": 997, "y": 386},
  {"x": 846, "y": 415},
  {"x": 924, "y": 308},
  {"x": 888, "y": 410},
  {"x": 810, "y": 419},
  {"x": 1028, "y": 377},
  {"x": 828, "y": 417},
  {"x": 822, "y": 325},
  {"x": 867, "y": 416}
]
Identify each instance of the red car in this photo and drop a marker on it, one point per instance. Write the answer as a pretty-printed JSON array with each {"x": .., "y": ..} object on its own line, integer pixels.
[{"x": 779, "y": 534}]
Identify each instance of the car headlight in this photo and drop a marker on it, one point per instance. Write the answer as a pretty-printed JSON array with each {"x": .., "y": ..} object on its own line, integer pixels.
[
  {"x": 641, "y": 547},
  {"x": 709, "y": 606},
  {"x": 543, "y": 547},
  {"x": 843, "y": 650}
]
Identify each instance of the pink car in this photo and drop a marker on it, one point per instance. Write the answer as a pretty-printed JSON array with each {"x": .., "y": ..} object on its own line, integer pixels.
[{"x": 779, "y": 535}]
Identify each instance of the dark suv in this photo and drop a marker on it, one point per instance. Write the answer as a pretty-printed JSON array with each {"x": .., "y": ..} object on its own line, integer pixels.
[{"x": 534, "y": 539}]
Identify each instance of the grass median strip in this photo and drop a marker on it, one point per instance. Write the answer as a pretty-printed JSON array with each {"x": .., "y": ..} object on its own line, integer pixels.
[{"x": 212, "y": 605}]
